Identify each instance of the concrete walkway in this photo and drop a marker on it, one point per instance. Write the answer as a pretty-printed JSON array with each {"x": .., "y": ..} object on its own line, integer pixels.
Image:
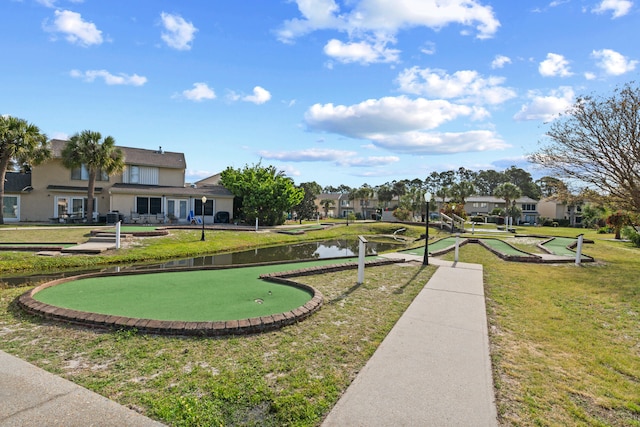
[
  {"x": 433, "y": 369},
  {"x": 30, "y": 396}
]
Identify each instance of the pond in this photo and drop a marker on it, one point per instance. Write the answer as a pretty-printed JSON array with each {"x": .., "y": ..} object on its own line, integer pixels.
[{"x": 338, "y": 248}]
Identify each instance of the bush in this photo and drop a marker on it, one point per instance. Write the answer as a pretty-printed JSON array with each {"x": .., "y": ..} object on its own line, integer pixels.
[
  {"x": 604, "y": 230},
  {"x": 477, "y": 219},
  {"x": 631, "y": 234},
  {"x": 402, "y": 214}
]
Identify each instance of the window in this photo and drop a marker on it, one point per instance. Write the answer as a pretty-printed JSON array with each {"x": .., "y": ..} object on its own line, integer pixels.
[
  {"x": 10, "y": 207},
  {"x": 149, "y": 205},
  {"x": 135, "y": 174},
  {"x": 208, "y": 207},
  {"x": 345, "y": 203},
  {"x": 73, "y": 205},
  {"x": 529, "y": 207},
  {"x": 82, "y": 174},
  {"x": 480, "y": 204}
]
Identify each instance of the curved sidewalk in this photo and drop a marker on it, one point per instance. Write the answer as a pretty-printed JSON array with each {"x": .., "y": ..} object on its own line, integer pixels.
[
  {"x": 434, "y": 368},
  {"x": 33, "y": 397}
]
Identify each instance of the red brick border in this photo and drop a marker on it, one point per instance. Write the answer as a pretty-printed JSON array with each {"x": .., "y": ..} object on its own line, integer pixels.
[{"x": 187, "y": 328}]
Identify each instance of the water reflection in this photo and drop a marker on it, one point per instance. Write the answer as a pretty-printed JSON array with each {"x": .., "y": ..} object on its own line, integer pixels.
[{"x": 339, "y": 248}]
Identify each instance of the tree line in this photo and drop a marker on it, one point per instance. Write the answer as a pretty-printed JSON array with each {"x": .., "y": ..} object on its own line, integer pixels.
[{"x": 594, "y": 145}]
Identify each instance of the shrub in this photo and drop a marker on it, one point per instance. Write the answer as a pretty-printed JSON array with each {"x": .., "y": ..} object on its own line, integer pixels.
[
  {"x": 402, "y": 214},
  {"x": 631, "y": 234}
]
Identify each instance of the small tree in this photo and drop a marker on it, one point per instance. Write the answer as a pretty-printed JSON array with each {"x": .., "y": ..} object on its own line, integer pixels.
[
  {"x": 618, "y": 220},
  {"x": 307, "y": 209},
  {"x": 598, "y": 142},
  {"x": 20, "y": 142},
  {"x": 99, "y": 156},
  {"x": 265, "y": 192}
]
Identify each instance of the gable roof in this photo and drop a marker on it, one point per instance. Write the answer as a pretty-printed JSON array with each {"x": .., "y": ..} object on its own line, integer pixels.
[{"x": 136, "y": 156}]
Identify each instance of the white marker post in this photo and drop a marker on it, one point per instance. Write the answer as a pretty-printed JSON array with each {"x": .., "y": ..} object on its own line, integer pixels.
[
  {"x": 457, "y": 246},
  {"x": 362, "y": 248},
  {"x": 256, "y": 224},
  {"x": 579, "y": 249},
  {"x": 118, "y": 235}
]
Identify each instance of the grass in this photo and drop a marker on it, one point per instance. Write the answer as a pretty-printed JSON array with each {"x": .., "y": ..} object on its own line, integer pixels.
[
  {"x": 179, "y": 244},
  {"x": 565, "y": 344},
  {"x": 290, "y": 377},
  {"x": 565, "y": 341}
]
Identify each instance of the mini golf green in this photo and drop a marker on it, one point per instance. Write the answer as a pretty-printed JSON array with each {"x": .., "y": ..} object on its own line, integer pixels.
[
  {"x": 436, "y": 246},
  {"x": 194, "y": 296}
]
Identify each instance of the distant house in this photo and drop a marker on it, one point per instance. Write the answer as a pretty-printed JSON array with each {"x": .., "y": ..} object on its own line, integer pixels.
[
  {"x": 554, "y": 209},
  {"x": 484, "y": 205},
  {"x": 150, "y": 189},
  {"x": 343, "y": 206}
]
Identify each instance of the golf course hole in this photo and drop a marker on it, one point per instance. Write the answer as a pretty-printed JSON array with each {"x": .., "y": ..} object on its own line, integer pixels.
[{"x": 200, "y": 302}]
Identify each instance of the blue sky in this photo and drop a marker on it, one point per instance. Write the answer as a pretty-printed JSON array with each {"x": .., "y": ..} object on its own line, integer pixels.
[{"x": 337, "y": 92}]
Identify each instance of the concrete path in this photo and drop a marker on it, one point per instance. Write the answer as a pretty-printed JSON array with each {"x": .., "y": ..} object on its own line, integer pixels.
[
  {"x": 30, "y": 396},
  {"x": 433, "y": 369}
]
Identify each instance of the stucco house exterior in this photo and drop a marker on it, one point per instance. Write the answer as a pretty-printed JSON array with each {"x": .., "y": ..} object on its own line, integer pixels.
[
  {"x": 342, "y": 206},
  {"x": 554, "y": 209},
  {"x": 484, "y": 205},
  {"x": 150, "y": 189}
]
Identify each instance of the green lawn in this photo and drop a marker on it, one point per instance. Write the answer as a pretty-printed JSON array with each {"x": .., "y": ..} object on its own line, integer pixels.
[
  {"x": 202, "y": 295},
  {"x": 564, "y": 341}
]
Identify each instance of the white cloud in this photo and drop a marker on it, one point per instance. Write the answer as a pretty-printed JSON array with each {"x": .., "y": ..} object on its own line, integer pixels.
[
  {"x": 76, "y": 30},
  {"x": 200, "y": 92},
  {"x": 500, "y": 61},
  {"x": 362, "y": 52},
  {"x": 339, "y": 157},
  {"x": 612, "y": 62},
  {"x": 309, "y": 155},
  {"x": 441, "y": 143},
  {"x": 387, "y": 17},
  {"x": 178, "y": 33},
  {"x": 429, "y": 48},
  {"x": 554, "y": 65},
  {"x": 47, "y": 3},
  {"x": 367, "y": 162},
  {"x": 384, "y": 115},
  {"x": 618, "y": 7},
  {"x": 260, "y": 96},
  {"x": 401, "y": 124},
  {"x": 465, "y": 86},
  {"x": 548, "y": 107},
  {"x": 110, "y": 79}
]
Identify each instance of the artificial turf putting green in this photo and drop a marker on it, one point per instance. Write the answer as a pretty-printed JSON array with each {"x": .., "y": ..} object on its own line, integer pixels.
[
  {"x": 203, "y": 295},
  {"x": 438, "y": 245}
]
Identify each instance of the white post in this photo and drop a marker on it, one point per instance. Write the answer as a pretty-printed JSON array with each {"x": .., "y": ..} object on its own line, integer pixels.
[
  {"x": 457, "y": 246},
  {"x": 118, "y": 235},
  {"x": 256, "y": 224},
  {"x": 579, "y": 249},
  {"x": 362, "y": 248},
  {"x": 473, "y": 227}
]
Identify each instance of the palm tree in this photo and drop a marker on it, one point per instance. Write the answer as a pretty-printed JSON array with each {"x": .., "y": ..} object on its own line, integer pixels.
[
  {"x": 327, "y": 204},
  {"x": 98, "y": 155},
  {"x": 508, "y": 192},
  {"x": 461, "y": 190},
  {"x": 22, "y": 142}
]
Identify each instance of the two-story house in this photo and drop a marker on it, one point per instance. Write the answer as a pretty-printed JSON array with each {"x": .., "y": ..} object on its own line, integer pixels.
[
  {"x": 150, "y": 189},
  {"x": 342, "y": 206},
  {"x": 484, "y": 205}
]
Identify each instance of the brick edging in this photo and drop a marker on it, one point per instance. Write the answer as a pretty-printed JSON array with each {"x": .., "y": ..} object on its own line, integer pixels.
[{"x": 187, "y": 328}]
